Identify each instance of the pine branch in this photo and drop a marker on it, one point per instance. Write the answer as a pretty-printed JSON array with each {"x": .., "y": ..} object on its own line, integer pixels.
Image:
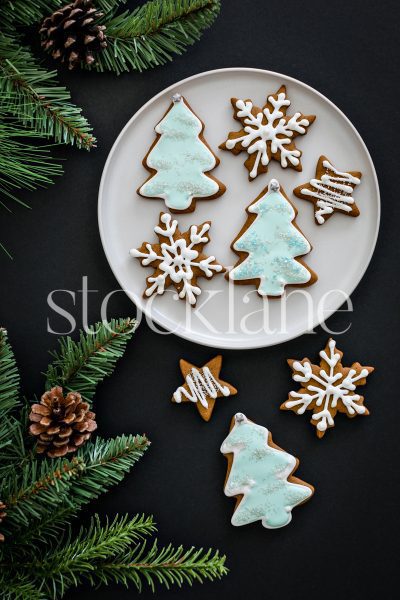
[
  {"x": 167, "y": 566},
  {"x": 81, "y": 366},
  {"x": 36, "y": 99},
  {"x": 73, "y": 560},
  {"x": 23, "y": 165},
  {"x": 46, "y": 487},
  {"x": 9, "y": 378},
  {"x": 150, "y": 35},
  {"x": 104, "y": 554},
  {"x": 22, "y": 13}
]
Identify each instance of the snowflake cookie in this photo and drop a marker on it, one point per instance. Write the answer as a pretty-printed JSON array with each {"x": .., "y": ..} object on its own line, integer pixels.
[
  {"x": 267, "y": 133},
  {"x": 330, "y": 190},
  {"x": 327, "y": 388},
  {"x": 179, "y": 161},
  {"x": 177, "y": 259},
  {"x": 260, "y": 476},
  {"x": 269, "y": 246},
  {"x": 203, "y": 386}
]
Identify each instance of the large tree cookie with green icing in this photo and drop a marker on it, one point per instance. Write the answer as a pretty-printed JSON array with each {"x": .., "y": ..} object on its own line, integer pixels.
[
  {"x": 267, "y": 133},
  {"x": 203, "y": 386},
  {"x": 269, "y": 246},
  {"x": 179, "y": 161},
  {"x": 330, "y": 191},
  {"x": 260, "y": 476},
  {"x": 327, "y": 388},
  {"x": 177, "y": 259}
]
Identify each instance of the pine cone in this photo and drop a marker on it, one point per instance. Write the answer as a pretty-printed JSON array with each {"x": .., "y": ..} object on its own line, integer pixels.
[
  {"x": 2, "y": 515},
  {"x": 72, "y": 35},
  {"x": 61, "y": 424}
]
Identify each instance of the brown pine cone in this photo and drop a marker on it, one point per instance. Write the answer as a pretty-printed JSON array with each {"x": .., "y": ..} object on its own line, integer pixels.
[
  {"x": 72, "y": 33},
  {"x": 2, "y": 515},
  {"x": 61, "y": 424}
]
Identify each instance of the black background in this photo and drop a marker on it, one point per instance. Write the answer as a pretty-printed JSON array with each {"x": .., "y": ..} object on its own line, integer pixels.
[{"x": 342, "y": 542}]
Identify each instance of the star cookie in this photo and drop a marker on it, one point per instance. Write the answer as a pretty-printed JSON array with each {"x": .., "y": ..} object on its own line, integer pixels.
[
  {"x": 177, "y": 259},
  {"x": 267, "y": 133},
  {"x": 327, "y": 388},
  {"x": 330, "y": 190},
  {"x": 203, "y": 386}
]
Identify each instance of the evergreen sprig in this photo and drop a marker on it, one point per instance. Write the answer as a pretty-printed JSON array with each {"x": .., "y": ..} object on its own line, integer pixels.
[
  {"x": 82, "y": 365},
  {"x": 32, "y": 95},
  {"x": 42, "y": 556},
  {"x": 9, "y": 377},
  {"x": 153, "y": 33}
]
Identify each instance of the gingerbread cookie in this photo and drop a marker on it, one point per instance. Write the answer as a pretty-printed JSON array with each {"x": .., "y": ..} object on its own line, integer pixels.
[
  {"x": 203, "y": 386},
  {"x": 331, "y": 190},
  {"x": 179, "y": 161},
  {"x": 327, "y": 388},
  {"x": 177, "y": 259},
  {"x": 267, "y": 133},
  {"x": 269, "y": 245},
  {"x": 260, "y": 476}
]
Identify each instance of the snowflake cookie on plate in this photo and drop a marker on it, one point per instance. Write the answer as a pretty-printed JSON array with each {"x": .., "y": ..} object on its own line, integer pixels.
[
  {"x": 327, "y": 388},
  {"x": 260, "y": 476},
  {"x": 267, "y": 133},
  {"x": 177, "y": 259},
  {"x": 330, "y": 190}
]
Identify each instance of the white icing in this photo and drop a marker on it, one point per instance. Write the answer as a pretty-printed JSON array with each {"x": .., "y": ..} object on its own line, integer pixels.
[
  {"x": 177, "y": 259},
  {"x": 202, "y": 385},
  {"x": 333, "y": 191},
  {"x": 269, "y": 129},
  {"x": 332, "y": 387}
]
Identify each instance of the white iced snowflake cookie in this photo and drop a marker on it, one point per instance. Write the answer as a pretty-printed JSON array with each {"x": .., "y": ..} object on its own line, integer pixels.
[
  {"x": 260, "y": 476},
  {"x": 179, "y": 161},
  {"x": 267, "y": 133},
  {"x": 327, "y": 388},
  {"x": 330, "y": 191},
  {"x": 177, "y": 259}
]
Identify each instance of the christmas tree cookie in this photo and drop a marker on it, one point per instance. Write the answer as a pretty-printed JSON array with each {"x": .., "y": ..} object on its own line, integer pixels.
[
  {"x": 177, "y": 259},
  {"x": 330, "y": 191},
  {"x": 179, "y": 161},
  {"x": 267, "y": 133},
  {"x": 327, "y": 388},
  {"x": 260, "y": 476},
  {"x": 269, "y": 246},
  {"x": 203, "y": 386}
]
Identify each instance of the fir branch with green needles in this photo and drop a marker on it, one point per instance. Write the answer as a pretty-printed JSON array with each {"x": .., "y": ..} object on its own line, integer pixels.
[
  {"x": 82, "y": 365},
  {"x": 41, "y": 554},
  {"x": 153, "y": 33},
  {"x": 33, "y": 96}
]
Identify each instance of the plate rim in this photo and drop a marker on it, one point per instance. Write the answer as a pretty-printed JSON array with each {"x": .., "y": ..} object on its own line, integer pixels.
[{"x": 143, "y": 308}]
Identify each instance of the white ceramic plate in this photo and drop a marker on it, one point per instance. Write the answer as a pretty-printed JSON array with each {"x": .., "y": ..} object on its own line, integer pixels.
[{"x": 230, "y": 316}]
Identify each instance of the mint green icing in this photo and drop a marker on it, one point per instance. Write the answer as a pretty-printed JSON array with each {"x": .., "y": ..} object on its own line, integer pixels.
[
  {"x": 180, "y": 159},
  {"x": 260, "y": 473},
  {"x": 272, "y": 242}
]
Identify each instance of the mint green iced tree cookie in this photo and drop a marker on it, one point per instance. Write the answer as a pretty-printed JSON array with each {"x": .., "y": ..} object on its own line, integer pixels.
[
  {"x": 179, "y": 161},
  {"x": 260, "y": 475},
  {"x": 269, "y": 245}
]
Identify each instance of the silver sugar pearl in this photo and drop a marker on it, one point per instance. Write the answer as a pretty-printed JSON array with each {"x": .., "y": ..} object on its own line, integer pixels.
[
  {"x": 274, "y": 185},
  {"x": 240, "y": 417},
  {"x": 176, "y": 98}
]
